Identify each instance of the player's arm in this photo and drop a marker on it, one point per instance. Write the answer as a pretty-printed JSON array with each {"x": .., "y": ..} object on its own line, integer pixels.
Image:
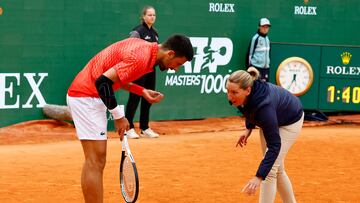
[
  {"x": 131, "y": 87},
  {"x": 112, "y": 75},
  {"x": 134, "y": 88},
  {"x": 150, "y": 95},
  {"x": 104, "y": 87}
]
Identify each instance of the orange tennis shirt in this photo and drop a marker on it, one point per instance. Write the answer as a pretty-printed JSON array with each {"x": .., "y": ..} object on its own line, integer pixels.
[{"x": 131, "y": 58}]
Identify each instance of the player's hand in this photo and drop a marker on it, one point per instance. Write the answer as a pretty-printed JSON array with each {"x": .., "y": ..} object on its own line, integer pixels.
[
  {"x": 152, "y": 96},
  {"x": 243, "y": 138},
  {"x": 121, "y": 125},
  {"x": 251, "y": 187}
]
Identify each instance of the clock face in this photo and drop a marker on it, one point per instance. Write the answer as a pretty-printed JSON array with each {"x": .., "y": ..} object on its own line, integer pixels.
[{"x": 295, "y": 74}]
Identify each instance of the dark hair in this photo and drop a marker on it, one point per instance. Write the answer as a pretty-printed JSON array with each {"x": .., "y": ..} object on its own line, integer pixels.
[{"x": 181, "y": 45}]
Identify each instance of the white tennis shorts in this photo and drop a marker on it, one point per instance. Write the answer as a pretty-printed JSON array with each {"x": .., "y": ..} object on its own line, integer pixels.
[{"x": 89, "y": 116}]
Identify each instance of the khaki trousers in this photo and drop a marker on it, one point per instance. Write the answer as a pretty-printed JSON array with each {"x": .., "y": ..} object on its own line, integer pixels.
[{"x": 277, "y": 178}]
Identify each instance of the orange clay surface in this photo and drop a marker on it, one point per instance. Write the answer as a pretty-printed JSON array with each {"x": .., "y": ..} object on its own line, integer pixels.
[{"x": 192, "y": 161}]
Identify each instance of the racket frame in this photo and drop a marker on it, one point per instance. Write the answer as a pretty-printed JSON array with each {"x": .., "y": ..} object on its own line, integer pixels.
[{"x": 126, "y": 152}]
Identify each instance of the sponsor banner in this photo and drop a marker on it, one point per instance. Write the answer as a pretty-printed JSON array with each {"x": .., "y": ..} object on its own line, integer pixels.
[
  {"x": 204, "y": 71},
  {"x": 221, "y": 7},
  {"x": 11, "y": 85},
  {"x": 340, "y": 62},
  {"x": 305, "y": 9}
]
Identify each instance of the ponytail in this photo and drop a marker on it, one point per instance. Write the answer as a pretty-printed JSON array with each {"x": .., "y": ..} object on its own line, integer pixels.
[
  {"x": 255, "y": 74},
  {"x": 243, "y": 78}
]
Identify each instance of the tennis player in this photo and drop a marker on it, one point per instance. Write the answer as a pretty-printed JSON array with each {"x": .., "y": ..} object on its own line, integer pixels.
[
  {"x": 92, "y": 93},
  {"x": 279, "y": 114}
]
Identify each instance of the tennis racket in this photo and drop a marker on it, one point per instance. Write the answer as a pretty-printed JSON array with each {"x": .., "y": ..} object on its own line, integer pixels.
[{"x": 129, "y": 179}]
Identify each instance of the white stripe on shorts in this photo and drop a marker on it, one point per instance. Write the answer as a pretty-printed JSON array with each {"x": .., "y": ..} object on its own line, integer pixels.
[{"x": 89, "y": 115}]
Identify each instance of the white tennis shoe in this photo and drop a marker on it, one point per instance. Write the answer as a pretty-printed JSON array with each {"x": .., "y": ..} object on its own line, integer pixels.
[
  {"x": 149, "y": 133},
  {"x": 132, "y": 134}
]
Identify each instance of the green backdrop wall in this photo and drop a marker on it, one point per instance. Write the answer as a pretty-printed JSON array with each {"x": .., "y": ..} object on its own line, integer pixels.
[{"x": 44, "y": 43}]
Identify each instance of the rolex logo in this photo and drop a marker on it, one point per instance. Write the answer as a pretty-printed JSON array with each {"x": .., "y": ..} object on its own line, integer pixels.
[
  {"x": 345, "y": 57},
  {"x": 306, "y": 1}
]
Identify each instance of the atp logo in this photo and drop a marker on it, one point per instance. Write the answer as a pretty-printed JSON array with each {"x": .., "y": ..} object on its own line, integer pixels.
[{"x": 210, "y": 53}]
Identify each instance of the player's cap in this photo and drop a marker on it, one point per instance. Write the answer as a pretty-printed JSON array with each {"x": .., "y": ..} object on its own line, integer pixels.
[{"x": 264, "y": 21}]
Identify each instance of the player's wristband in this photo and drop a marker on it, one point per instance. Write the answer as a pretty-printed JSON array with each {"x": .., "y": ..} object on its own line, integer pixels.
[
  {"x": 136, "y": 89},
  {"x": 118, "y": 112}
]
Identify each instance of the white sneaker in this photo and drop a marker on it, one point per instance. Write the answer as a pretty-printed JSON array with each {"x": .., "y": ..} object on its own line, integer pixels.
[
  {"x": 132, "y": 134},
  {"x": 149, "y": 133}
]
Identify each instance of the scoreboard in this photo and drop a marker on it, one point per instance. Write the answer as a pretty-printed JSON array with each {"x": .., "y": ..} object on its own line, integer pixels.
[{"x": 334, "y": 82}]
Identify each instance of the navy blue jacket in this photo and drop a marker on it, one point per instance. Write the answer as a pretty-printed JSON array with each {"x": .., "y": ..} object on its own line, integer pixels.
[{"x": 269, "y": 106}]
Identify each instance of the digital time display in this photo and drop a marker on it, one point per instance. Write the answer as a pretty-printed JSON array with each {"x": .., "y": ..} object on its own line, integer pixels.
[
  {"x": 345, "y": 94},
  {"x": 339, "y": 94}
]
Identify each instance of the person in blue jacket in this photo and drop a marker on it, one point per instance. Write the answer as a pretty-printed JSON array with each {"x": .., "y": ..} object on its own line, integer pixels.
[
  {"x": 258, "y": 54},
  {"x": 279, "y": 115}
]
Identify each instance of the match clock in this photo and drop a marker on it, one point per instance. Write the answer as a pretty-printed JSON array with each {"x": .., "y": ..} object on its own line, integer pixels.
[
  {"x": 296, "y": 75},
  {"x": 346, "y": 94},
  {"x": 335, "y": 94}
]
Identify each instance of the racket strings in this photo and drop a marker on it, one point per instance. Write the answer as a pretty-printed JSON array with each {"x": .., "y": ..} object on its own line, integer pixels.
[{"x": 129, "y": 178}]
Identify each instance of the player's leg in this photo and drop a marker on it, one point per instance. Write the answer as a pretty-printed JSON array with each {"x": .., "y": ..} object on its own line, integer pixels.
[
  {"x": 92, "y": 171},
  {"x": 89, "y": 115}
]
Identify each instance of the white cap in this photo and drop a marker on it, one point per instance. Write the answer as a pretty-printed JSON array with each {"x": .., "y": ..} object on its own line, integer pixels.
[{"x": 264, "y": 21}]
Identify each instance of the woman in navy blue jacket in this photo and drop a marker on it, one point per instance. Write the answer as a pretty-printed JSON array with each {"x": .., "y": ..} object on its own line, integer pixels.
[{"x": 279, "y": 115}]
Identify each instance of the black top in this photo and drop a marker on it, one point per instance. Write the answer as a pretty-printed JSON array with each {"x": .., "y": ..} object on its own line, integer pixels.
[
  {"x": 269, "y": 107},
  {"x": 144, "y": 32}
]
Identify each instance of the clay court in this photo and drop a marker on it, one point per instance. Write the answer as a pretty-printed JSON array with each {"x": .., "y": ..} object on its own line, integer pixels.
[{"x": 192, "y": 161}]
